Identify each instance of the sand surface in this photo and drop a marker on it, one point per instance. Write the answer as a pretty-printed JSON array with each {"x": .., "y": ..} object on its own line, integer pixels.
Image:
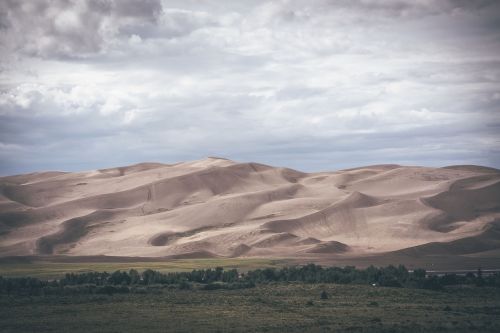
[{"x": 220, "y": 208}]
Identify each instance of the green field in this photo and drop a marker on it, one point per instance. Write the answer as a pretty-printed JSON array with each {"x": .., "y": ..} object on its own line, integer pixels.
[
  {"x": 54, "y": 269},
  {"x": 266, "y": 308}
]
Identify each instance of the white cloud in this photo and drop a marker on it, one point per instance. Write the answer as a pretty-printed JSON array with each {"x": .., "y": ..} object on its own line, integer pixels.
[{"x": 312, "y": 85}]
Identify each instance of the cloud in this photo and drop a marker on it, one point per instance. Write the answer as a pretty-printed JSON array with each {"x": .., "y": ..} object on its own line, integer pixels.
[
  {"x": 69, "y": 28},
  {"x": 311, "y": 85}
]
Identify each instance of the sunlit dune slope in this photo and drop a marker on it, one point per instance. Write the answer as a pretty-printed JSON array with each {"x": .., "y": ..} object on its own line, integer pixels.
[{"x": 217, "y": 207}]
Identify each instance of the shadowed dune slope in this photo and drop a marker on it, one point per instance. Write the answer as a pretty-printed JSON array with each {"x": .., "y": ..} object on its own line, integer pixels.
[
  {"x": 219, "y": 208},
  {"x": 487, "y": 240}
]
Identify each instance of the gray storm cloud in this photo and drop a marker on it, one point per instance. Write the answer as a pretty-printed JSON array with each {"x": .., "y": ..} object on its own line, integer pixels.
[
  {"x": 64, "y": 28},
  {"x": 306, "y": 84}
]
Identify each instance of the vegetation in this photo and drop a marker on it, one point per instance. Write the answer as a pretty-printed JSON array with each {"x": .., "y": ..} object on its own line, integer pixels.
[
  {"x": 43, "y": 269},
  {"x": 269, "y": 307},
  {"x": 218, "y": 278},
  {"x": 308, "y": 298}
]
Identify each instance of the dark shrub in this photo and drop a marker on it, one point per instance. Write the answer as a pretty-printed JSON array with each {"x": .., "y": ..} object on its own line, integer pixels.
[
  {"x": 212, "y": 286},
  {"x": 184, "y": 285}
]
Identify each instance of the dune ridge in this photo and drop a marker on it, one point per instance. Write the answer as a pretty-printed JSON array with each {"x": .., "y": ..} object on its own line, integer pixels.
[{"x": 216, "y": 207}]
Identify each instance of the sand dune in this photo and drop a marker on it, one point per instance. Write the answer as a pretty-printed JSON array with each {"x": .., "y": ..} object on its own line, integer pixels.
[
  {"x": 219, "y": 208},
  {"x": 486, "y": 241}
]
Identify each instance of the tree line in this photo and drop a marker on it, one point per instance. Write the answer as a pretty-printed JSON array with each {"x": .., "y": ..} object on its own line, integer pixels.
[{"x": 218, "y": 278}]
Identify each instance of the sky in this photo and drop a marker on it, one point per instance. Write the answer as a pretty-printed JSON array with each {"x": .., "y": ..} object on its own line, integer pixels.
[{"x": 310, "y": 85}]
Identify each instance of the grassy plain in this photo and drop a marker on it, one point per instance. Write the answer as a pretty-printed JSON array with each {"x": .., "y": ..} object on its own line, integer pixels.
[
  {"x": 266, "y": 308},
  {"x": 54, "y": 269}
]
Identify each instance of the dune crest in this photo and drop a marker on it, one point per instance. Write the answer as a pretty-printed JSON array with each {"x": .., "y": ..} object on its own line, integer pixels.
[{"x": 220, "y": 208}]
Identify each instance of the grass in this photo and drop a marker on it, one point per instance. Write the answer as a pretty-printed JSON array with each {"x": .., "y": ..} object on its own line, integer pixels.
[
  {"x": 275, "y": 307},
  {"x": 51, "y": 270},
  {"x": 266, "y": 308}
]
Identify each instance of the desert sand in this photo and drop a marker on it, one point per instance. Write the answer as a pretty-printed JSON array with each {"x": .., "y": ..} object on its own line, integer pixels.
[{"x": 220, "y": 208}]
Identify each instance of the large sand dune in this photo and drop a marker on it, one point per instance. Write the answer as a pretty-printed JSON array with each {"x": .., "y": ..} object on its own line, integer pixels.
[{"x": 217, "y": 207}]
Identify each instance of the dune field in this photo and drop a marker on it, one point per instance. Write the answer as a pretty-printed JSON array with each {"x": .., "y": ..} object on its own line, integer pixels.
[{"x": 220, "y": 208}]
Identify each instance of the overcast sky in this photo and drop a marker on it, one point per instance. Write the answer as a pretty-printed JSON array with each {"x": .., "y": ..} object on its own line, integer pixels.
[{"x": 311, "y": 85}]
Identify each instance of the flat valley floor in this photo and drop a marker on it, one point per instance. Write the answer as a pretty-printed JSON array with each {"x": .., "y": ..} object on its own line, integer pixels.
[{"x": 265, "y": 308}]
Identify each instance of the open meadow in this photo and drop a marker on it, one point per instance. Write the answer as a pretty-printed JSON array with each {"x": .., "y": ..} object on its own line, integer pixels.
[
  {"x": 273, "y": 307},
  {"x": 244, "y": 296},
  {"x": 52, "y": 269}
]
